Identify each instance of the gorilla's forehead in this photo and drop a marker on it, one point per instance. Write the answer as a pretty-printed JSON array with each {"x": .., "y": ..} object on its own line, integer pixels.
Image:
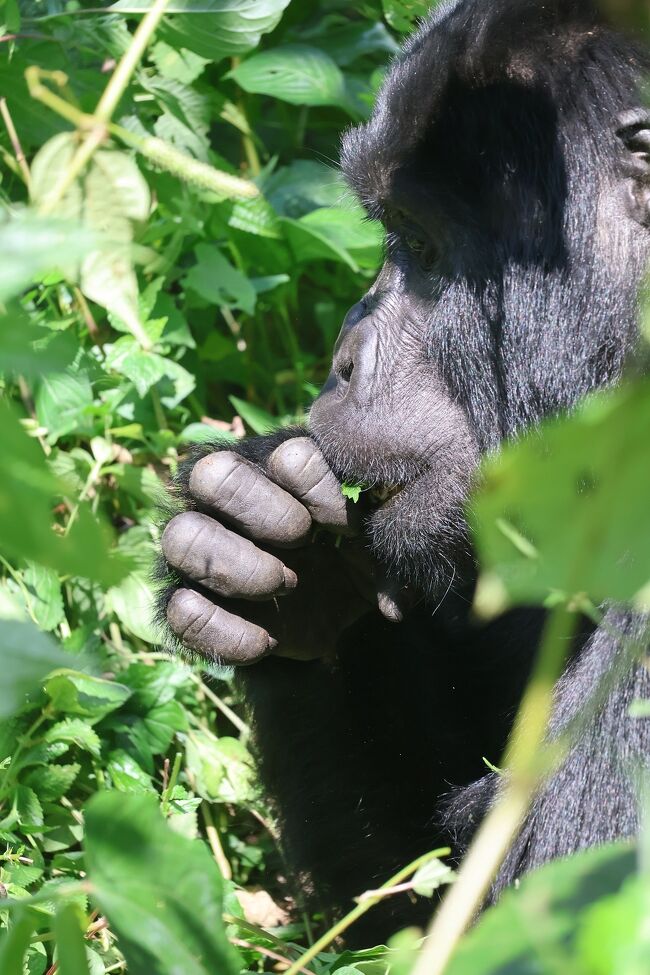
[{"x": 464, "y": 47}]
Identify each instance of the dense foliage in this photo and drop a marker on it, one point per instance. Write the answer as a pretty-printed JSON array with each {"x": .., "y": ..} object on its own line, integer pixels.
[{"x": 178, "y": 252}]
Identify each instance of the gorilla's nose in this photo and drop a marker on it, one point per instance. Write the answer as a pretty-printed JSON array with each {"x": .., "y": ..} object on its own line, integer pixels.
[{"x": 355, "y": 359}]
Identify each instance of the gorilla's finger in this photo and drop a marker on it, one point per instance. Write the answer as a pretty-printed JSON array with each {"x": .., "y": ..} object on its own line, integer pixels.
[
  {"x": 299, "y": 466},
  {"x": 213, "y": 632},
  {"x": 246, "y": 497},
  {"x": 201, "y": 548}
]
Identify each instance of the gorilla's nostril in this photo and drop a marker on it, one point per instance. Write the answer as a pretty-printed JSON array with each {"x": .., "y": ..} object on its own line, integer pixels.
[{"x": 345, "y": 372}]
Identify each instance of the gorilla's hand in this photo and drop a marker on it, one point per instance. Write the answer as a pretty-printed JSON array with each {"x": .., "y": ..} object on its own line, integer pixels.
[{"x": 258, "y": 542}]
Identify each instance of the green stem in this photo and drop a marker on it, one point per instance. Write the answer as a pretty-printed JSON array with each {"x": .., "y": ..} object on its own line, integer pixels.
[
  {"x": 358, "y": 911},
  {"x": 107, "y": 104},
  {"x": 173, "y": 779},
  {"x": 156, "y": 150}
]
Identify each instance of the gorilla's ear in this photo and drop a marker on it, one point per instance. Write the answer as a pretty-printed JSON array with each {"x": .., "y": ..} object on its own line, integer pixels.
[{"x": 634, "y": 132}]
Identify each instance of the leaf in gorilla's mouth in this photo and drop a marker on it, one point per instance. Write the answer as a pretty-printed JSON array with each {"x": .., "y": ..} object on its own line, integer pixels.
[{"x": 377, "y": 495}]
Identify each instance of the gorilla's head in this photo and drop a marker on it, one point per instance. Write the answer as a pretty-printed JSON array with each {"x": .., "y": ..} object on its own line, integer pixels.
[{"x": 508, "y": 158}]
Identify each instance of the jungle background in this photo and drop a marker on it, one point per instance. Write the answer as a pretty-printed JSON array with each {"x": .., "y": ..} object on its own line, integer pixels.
[{"x": 177, "y": 253}]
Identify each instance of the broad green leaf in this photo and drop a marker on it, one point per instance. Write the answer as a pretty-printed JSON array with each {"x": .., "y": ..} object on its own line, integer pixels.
[
  {"x": 403, "y": 15},
  {"x": 27, "y": 656},
  {"x": 215, "y": 29},
  {"x": 223, "y": 767},
  {"x": 350, "y": 230},
  {"x": 162, "y": 893},
  {"x": 52, "y": 781},
  {"x": 27, "y": 492},
  {"x": 302, "y": 186},
  {"x": 346, "y": 44},
  {"x": 430, "y": 876},
  {"x": 566, "y": 507},
  {"x": 68, "y": 927},
  {"x": 218, "y": 282},
  {"x": 257, "y": 419},
  {"x": 613, "y": 935},
  {"x": 14, "y": 944},
  {"x": 146, "y": 369},
  {"x": 255, "y": 217},
  {"x": 91, "y": 697},
  {"x": 133, "y": 603},
  {"x": 63, "y": 401},
  {"x": 31, "y": 351},
  {"x": 31, "y": 245},
  {"x": 76, "y": 732},
  {"x": 126, "y": 774},
  {"x": 533, "y": 929},
  {"x": 44, "y": 595},
  {"x": 295, "y": 73},
  {"x": 107, "y": 199}
]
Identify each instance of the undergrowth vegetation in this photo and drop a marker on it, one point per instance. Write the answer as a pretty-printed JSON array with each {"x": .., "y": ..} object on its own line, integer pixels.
[{"x": 177, "y": 254}]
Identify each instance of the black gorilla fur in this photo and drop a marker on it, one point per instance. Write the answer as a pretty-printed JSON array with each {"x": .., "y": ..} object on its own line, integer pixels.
[{"x": 508, "y": 158}]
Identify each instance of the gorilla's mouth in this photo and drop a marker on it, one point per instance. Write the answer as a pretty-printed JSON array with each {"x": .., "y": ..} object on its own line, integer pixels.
[{"x": 381, "y": 494}]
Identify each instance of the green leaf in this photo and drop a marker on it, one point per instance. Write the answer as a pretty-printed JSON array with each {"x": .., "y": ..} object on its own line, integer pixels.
[
  {"x": 68, "y": 927},
  {"x": 31, "y": 351},
  {"x": 45, "y": 597},
  {"x": 27, "y": 491},
  {"x": 53, "y": 781},
  {"x": 295, "y": 73},
  {"x": 403, "y": 15},
  {"x": 27, "y": 656},
  {"x": 430, "y": 876},
  {"x": 107, "y": 199},
  {"x": 223, "y": 767},
  {"x": 146, "y": 369},
  {"x": 218, "y": 282},
  {"x": 302, "y": 186},
  {"x": 541, "y": 919},
  {"x": 31, "y": 245},
  {"x": 14, "y": 943},
  {"x": 133, "y": 603},
  {"x": 350, "y": 230},
  {"x": 257, "y": 419},
  {"x": 566, "y": 507},
  {"x": 347, "y": 44},
  {"x": 352, "y": 491},
  {"x": 126, "y": 774},
  {"x": 63, "y": 402},
  {"x": 215, "y": 29},
  {"x": 76, "y": 732},
  {"x": 91, "y": 697},
  {"x": 162, "y": 893}
]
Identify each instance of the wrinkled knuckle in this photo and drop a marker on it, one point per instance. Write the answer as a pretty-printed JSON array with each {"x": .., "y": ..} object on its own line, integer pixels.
[
  {"x": 292, "y": 459},
  {"x": 178, "y": 536},
  {"x": 184, "y": 610},
  {"x": 210, "y": 477}
]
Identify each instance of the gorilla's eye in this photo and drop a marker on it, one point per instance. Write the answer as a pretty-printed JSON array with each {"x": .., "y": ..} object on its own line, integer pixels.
[{"x": 423, "y": 250}]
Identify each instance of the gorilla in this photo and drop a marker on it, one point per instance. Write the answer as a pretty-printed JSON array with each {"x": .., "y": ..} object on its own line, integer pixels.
[{"x": 508, "y": 158}]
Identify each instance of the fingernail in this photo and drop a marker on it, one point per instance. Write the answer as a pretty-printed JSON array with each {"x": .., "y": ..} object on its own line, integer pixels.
[{"x": 290, "y": 578}]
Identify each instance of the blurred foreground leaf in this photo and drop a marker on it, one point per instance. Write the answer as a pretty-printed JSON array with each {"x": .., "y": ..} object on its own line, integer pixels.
[
  {"x": 566, "y": 508},
  {"x": 161, "y": 892},
  {"x": 27, "y": 492},
  {"x": 26, "y": 657},
  {"x": 537, "y": 929}
]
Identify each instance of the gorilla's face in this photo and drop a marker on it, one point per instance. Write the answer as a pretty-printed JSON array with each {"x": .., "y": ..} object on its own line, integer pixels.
[{"x": 514, "y": 247}]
